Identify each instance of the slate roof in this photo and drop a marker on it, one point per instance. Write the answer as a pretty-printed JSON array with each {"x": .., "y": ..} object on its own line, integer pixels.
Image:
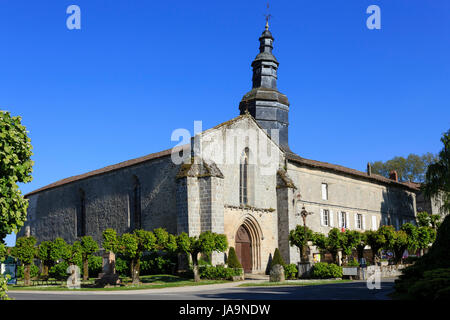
[
  {"x": 341, "y": 169},
  {"x": 107, "y": 169}
]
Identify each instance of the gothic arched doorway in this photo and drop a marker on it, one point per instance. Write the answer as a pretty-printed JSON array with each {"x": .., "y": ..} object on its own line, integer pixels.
[{"x": 244, "y": 248}]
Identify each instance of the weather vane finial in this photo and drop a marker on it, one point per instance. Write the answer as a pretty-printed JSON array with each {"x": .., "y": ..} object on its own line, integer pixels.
[{"x": 268, "y": 16}]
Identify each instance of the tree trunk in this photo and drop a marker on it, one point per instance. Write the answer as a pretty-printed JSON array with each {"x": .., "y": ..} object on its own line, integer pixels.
[
  {"x": 135, "y": 266},
  {"x": 26, "y": 272},
  {"x": 44, "y": 269},
  {"x": 195, "y": 267},
  {"x": 85, "y": 270},
  {"x": 304, "y": 253}
]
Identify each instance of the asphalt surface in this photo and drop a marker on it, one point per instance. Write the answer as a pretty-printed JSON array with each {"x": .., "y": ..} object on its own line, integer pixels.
[{"x": 356, "y": 290}]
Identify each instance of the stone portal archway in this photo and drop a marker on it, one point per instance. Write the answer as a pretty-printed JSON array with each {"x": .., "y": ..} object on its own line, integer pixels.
[
  {"x": 248, "y": 244},
  {"x": 244, "y": 248}
]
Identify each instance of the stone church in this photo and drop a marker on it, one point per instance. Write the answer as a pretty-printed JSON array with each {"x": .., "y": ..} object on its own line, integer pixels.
[{"x": 239, "y": 178}]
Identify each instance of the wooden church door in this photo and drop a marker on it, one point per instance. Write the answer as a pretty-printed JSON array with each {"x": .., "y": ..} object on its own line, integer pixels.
[{"x": 244, "y": 249}]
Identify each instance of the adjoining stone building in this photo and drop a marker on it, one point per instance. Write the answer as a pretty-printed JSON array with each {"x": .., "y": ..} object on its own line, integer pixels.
[{"x": 239, "y": 178}]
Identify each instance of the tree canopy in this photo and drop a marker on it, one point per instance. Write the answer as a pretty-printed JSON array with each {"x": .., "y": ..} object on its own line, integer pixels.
[
  {"x": 299, "y": 237},
  {"x": 437, "y": 178},
  {"x": 88, "y": 248},
  {"x": 15, "y": 166},
  {"x": 205, "y": 243},
  {"x": 411, "y": 168},
  {"x": 110, "y": 240}
]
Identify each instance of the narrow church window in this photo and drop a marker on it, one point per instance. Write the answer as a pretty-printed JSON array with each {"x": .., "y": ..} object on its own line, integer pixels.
[
  {"x": 81, "y": 215},
  {"x": 137, "y": 223},
  {"x": 243, "y": 179},
  {"x": 324, "y": 191}
]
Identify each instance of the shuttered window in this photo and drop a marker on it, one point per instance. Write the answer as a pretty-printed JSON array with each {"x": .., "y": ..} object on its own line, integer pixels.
[{"x": 358, "y": 221}]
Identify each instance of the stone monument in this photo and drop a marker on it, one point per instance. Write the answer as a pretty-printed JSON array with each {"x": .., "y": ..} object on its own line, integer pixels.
[
  {"x": 277, "y": 273},
  {"x": 109, "y": 275}
]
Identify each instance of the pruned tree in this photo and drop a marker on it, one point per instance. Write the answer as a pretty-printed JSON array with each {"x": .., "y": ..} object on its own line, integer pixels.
[
  {"x": 399, "y": 246},
  {"x": 388, "y": 233},
  {"x": 350, "y": 239},
  {"x": 72, "y": 254},
  {"x": 334, "y": 242},
  {"x": 110, "y": 242},
  {"x": 165, "y": 241},
  {"x": 25, "y": 251},
  {"x": 361, "y": 245},
  {"x": 331, "y": 243},
  {"x": 300, "y": 237},
  {"x": 44, "y": 254},
  {"x": 88, "y": 248},
  {"x": 132, "y": 246},
  {"x": 206, "y": 243},
  {"x": 411, "y": 232},
  {"x": 425, "y": 237},
  {"x": 375, "y": 241}
]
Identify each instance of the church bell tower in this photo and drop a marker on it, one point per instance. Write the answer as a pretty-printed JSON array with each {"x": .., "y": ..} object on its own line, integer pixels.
[{"x": 264, "y": 102}]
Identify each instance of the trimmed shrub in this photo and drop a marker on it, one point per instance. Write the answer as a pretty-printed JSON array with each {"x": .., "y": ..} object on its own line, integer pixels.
[
  {"x": 233, "y": 261},
  {"x": 428, "y": 277},
  {"x": 290, "y": 271},
  {"x": 322, "y": 270},
  {"x": 34, "y": 271},
  {"x": 277, "y": 259},
  {"x": 218, "y": 272},
  {"x": 434, "y": 285}
]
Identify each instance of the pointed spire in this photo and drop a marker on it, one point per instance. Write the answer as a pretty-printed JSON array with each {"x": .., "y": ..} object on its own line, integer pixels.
[{"x": 264, "y": 102}]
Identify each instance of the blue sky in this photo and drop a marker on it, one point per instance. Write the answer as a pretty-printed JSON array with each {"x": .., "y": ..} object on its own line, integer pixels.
[{"x": 137, "y": 70}]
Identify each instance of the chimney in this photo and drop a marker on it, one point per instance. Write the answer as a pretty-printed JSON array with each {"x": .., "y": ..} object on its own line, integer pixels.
[
  {"x": 369, "y": 169},
  {"x": 393, "y": 175}
]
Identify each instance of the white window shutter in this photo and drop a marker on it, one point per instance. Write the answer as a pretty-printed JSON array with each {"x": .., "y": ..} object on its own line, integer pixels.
[
  {"x": 356, "y": 220},
  {"x": 321, "y": 217},
  {"x": 374, "y": 223},
  {"x": 364, "y": 222},
  {"x": 339, "y": 219},
  {"x": 331, "y": 218},
  {"x": 348, "y": 220}
]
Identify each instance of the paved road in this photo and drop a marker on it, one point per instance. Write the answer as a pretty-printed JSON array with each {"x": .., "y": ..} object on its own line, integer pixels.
[{"x": 338, "y": 291}]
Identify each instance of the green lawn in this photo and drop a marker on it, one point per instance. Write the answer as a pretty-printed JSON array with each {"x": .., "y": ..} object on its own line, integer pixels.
[
  {"x": 292, "y": 283},
  {"x": 148, "y": 282}
]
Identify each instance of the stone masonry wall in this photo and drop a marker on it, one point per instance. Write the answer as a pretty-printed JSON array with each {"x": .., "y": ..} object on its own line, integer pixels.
[
  {"x": 376, "y": 202},
  {"x": 107, "y": 201}
]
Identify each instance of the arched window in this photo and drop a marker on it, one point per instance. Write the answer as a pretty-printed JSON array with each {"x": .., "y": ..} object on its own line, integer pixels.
[
  {"x": 81, "y": 215},
  {"x": 243, "y": 178},
  {"x": 137, "y": 204}
]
